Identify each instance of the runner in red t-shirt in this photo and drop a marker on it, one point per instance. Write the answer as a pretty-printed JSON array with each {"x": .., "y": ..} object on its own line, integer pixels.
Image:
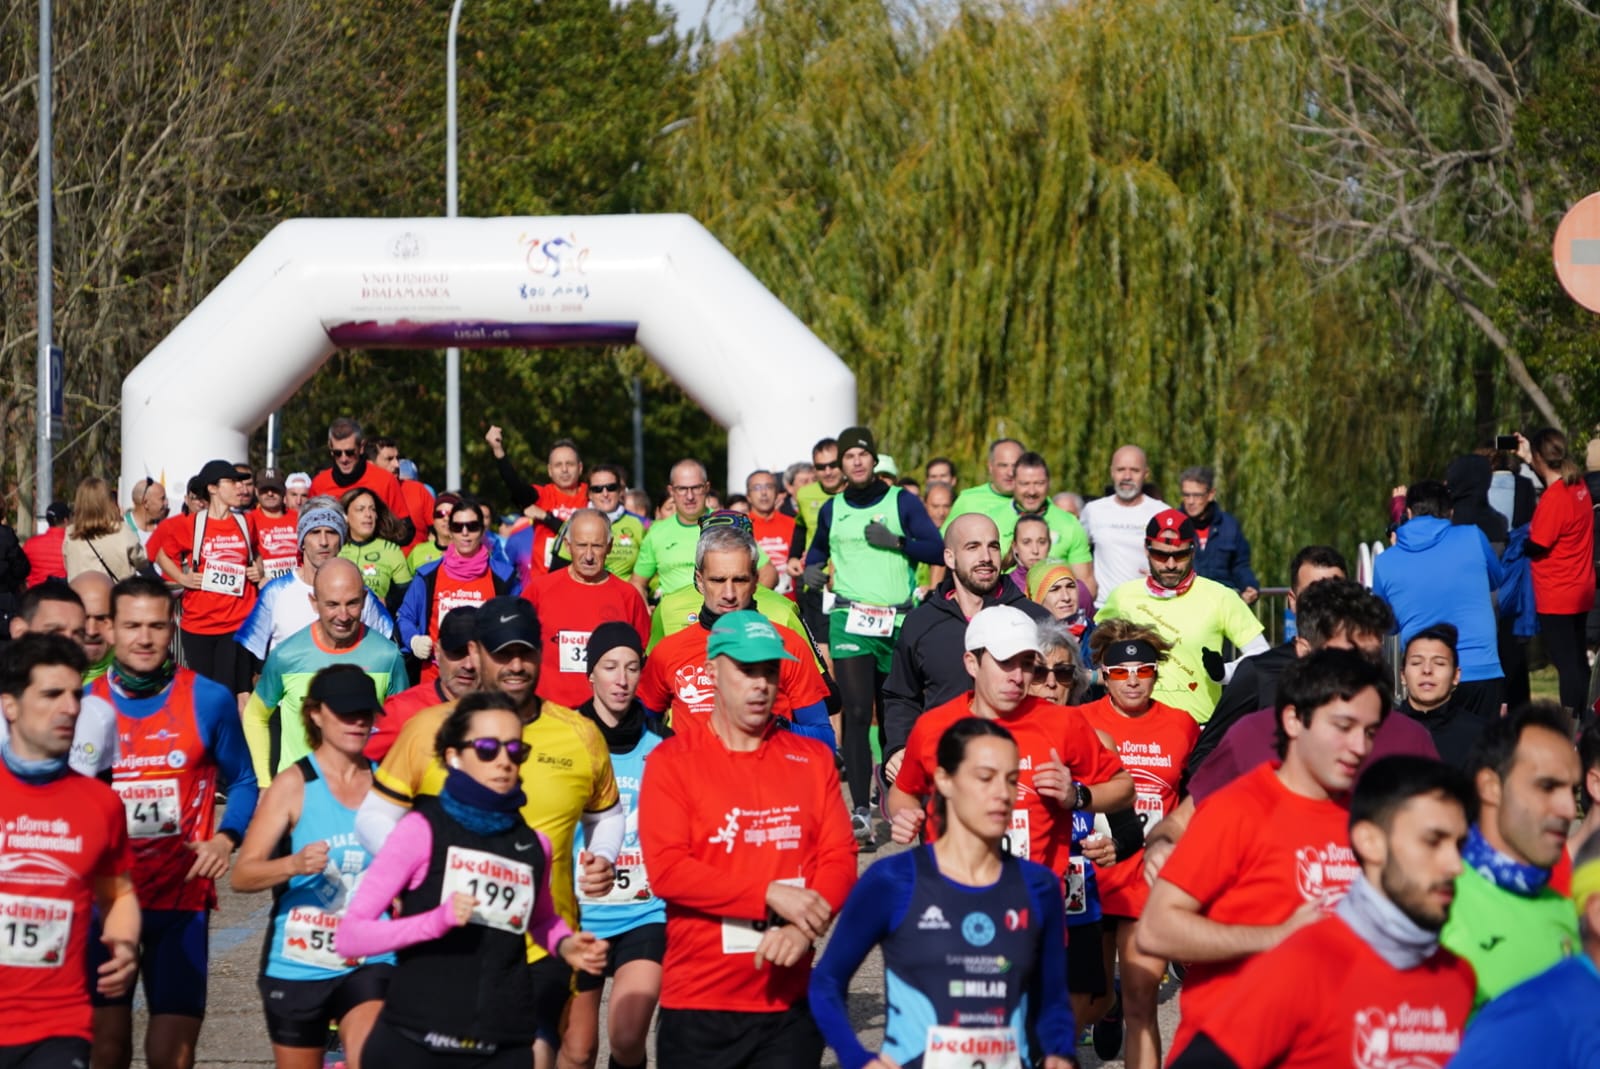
[
  {"x": 773, "y": 530},
  {"x": 1064, "y": 765},
  {"x": 1561, "y": 547},
  {"x": 549, "y": 505},
  {"x": 573, "y": 601},
  {"x": 1370, "y": 986},
  {"x": 418, "y": 500},
  {"x": 746, "y": 826},
  {"x": 66, "y": 853},
  {"x": 1154, "y": 741},
  {"x": 211, "y": 555},
  {"x": 352, "y": 469},
  {"x": 677, "y": 677},
  {"x": 277, "y": 543},
  {"x": 1267, "y": 855}
]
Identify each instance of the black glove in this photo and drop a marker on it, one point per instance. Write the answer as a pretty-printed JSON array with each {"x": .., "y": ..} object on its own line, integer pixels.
[
  {"x": 816, "y": 576},
  {"x": 878, "y": 534},
  {"x": 1213, "y": 664}
]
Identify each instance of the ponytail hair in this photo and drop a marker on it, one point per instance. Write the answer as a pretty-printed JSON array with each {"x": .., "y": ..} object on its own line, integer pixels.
[{"x": 1550, "y": 446}]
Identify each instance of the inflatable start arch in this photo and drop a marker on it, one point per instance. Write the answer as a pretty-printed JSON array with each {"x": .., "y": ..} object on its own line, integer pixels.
[{"x": 317, "y": 285}]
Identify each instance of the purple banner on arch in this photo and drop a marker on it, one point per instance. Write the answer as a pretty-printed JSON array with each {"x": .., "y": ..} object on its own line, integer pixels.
[{"x": 476, "y": 334}]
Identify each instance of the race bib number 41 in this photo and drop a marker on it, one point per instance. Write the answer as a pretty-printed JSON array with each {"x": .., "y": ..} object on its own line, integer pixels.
[
  {"x": 34, "y": 931},
  {"x": 151, "y": 806},
  {"x": 502, "y": 888}
]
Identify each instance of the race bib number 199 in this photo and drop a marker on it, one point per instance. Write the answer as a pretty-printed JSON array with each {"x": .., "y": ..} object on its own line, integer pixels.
[{"x": 503, "y": 888}]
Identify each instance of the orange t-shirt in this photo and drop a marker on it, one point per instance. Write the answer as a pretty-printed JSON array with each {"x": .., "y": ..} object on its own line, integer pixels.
[
  {"x": 1253, "y": 854},
  {"x": 1154, "y": 748},
  {"x": 1038, "y": 726},
  {"x": 675, "y": 679},
  {"x": 1325, "y": 997}
]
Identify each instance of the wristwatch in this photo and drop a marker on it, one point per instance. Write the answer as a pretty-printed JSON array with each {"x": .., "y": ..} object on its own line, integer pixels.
[{"x": 1083, "y": 799}]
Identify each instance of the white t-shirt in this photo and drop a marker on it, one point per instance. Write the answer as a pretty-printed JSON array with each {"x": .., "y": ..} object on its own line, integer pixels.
[
  {"x": 94, "y": 740},
  {"x": 1116, "y": 534}
]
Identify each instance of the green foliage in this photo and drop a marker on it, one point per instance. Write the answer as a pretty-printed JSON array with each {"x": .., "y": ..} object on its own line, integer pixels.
[{"x": 1053, "y": 224}]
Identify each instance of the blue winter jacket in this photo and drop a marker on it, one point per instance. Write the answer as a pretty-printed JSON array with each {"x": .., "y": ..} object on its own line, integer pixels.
[
  {"x": 1225, "y": 558},
  {"x": 1437, "y": 573}
]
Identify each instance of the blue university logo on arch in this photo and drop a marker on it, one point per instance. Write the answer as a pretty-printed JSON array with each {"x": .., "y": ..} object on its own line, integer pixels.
[{"x": 977, "y": 929}]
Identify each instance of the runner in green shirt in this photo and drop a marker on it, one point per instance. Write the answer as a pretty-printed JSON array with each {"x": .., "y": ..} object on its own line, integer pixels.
[
  {"x": 667, "y": 552},
  {"x": 1506, "y": 919}
]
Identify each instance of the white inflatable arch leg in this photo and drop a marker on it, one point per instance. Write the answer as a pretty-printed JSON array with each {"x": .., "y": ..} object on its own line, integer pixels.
[{"x": 317, "y": 285}]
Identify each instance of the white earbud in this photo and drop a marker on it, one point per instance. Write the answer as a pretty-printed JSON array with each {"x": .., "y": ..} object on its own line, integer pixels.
[{"x": 455, "y": 762}]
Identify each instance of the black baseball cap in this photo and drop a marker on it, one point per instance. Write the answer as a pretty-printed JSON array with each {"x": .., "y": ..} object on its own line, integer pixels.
[
  {"x": 215, "y": 471},
  {"x": 505, "y": 621},
  {"x": 345, "y": 692}
]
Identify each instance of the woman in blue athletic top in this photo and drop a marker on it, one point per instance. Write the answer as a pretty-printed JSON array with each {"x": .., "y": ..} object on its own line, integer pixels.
[
  {"x": 302, "y": 846},
  {"x": 630, "y": 918},
  {"x": 973, "y": 948}
]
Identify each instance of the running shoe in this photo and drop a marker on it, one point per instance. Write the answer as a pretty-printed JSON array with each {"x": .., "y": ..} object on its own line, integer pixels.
[
  {"x": 861, "y": 824},
  {"x": 1108, "y": 1032}
]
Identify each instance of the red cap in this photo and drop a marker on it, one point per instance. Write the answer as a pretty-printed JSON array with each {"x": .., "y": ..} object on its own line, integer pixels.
[{"x": 1170, "y": 529}]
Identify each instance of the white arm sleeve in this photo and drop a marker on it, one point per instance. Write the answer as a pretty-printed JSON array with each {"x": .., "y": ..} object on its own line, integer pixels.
[
  {"x": 603, "y": 831},
  {"x": 376, "y": 819},
  {"x": 1251, "y": 648}
]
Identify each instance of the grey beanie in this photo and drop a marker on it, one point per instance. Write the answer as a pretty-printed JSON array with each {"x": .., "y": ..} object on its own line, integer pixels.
[{"x": 321, "y": 512}]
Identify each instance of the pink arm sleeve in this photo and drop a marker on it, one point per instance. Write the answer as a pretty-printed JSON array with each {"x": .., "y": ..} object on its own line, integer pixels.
[
  {"x": 546, "y": 927},
  {"x": 399, "y": 866}
]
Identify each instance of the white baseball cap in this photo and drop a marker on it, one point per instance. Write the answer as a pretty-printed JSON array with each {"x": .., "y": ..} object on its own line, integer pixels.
[
  {"x": 1004, "y": 631},
  {"x": 297, "y": 481}
]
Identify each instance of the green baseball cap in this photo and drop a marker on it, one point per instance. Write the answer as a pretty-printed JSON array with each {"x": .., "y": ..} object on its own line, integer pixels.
[{"x": 747, "y": 637}]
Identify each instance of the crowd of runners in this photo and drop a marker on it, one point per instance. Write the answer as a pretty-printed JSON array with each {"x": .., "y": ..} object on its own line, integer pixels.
[{"x": 486, "y": 764}]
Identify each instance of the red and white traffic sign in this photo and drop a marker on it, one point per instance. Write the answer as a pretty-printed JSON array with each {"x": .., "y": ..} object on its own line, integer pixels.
[{"x": 1577, "y": 252}]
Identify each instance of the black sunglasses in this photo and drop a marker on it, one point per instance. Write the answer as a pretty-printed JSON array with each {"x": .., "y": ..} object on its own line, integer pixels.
[
  {"x": 345, "y": 452},
  {"x": 468, "y": 527},
  {"x": 1061, "y": 673},
  {"x": 489, "y": 749},
  {"x": 604, "y": 488},
  {"x": 826, "y": 465}
]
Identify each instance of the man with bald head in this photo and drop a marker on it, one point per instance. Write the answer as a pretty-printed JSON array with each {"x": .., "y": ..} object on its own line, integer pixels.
[
  {"x": 571, "y": 602},
  {"x": 1115, "y": 523},
  {"x": 928, "y": 669},
  {"x": 94, "y": 590},
  {"x": 272, "y": 723},
  {"x": 667, "y": 553}
]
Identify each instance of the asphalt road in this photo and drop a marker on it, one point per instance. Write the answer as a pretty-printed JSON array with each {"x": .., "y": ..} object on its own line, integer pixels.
[{"x": 235, "y": 1034}]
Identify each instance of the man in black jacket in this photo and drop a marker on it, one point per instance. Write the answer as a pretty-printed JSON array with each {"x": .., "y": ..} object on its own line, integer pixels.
[{"x": 928, "y": 668}]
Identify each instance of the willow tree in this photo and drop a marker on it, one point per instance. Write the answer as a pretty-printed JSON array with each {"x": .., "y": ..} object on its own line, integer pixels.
[{"x": 1052, "y": 223}]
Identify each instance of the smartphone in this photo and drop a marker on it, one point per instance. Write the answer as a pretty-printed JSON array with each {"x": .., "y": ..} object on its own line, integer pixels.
[{"x": 1505, "y": 443}]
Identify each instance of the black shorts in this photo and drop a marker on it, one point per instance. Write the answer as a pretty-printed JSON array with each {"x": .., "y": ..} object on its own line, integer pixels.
[
  {"x": 59, "y": 1052},
  {"x": 299, "y": 1011},
  {"x": 1086, "y": 964},
  {"x": 715, "y": 1039},
  {"x": 648, "y": 942},
  {"x": 219, "y": 658},
  {"x": 552, "y": 987},
  {"x": 174, "y": 945},
  {"x": 394, "y": 1048},
  {"x": 811, "y": 614}
]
